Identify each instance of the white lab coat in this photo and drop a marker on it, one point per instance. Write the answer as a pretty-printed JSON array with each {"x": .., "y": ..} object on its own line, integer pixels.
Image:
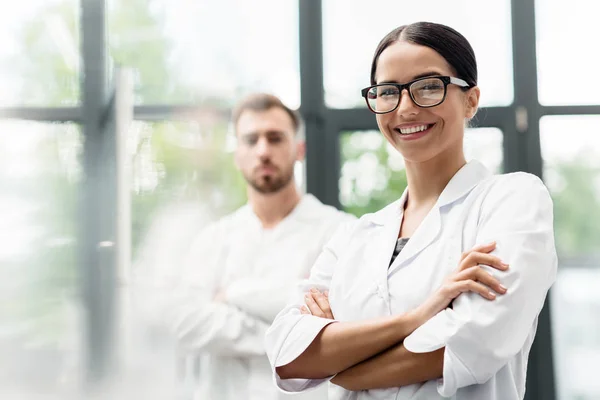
[
  {"x": 258, "y": 269},
  {"x": 486, "y": 342}
]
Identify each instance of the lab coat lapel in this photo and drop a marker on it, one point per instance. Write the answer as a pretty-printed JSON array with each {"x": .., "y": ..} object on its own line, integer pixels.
[
  {"x": 461, "y": 183},
  {"x": 385, "y": 238},
  {"x": 425, "y": 234},
  {"x": 386, "y": 225}
]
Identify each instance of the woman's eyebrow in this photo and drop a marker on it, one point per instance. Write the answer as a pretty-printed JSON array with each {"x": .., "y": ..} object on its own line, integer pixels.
[{"x": 421, "y": 75}]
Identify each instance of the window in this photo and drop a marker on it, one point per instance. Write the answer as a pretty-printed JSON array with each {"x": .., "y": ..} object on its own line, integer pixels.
[
  {"x": 207, "y": 51},
  {"x": 372, "y": 171},
  {"x": 566, "y": 59},
  {"x": 39, "y": 53},
  {"x": 572, "y": 171},
  {"x": 352, "y": 30},
  {"x": 39, "y": 175},
  {"x": 179, "y": 166}
]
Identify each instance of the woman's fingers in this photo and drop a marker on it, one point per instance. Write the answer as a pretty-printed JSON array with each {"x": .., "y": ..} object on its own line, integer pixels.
[
  {"x": 318, "y": 304},
  {"x": 323, "y": 303},
  {"x": 474, "y": 258},
  {"x": 482, "y": 248},
  {"x": 475, "y": 287},
  {"x": 489, "y": 280},
  {"x": 312, "y": 305}
]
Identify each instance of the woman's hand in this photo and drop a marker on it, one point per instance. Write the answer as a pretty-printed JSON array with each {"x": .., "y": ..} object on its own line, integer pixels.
[
  {"x": 469, "y": 277},
  {"x": 317, "y": 304}
]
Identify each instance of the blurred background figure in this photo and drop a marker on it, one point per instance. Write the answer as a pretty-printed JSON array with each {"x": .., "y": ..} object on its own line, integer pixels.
[{"x": 241, "y": 270}]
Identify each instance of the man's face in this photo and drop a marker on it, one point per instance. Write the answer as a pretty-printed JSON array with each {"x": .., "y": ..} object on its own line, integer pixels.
[{"x": 267, "y": 149}]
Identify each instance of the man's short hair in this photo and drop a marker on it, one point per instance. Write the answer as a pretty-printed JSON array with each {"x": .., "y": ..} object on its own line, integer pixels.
[{"x": 264, "y": 102}]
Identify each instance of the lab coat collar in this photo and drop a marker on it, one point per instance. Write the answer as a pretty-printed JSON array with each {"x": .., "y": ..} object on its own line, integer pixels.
[
  {"x": 469, "y": 176},
  {"x": 461, "y": 183},
  {"x": 307, "y": 210}
]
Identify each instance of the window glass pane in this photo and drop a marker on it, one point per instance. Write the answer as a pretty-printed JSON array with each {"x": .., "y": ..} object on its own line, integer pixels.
[
  {"x": 372, "y": 171},
  {"x": 352, "y": 30},
  {"x": 207, "y": 51},
  {"x": 565, "y": 57},
  {"x": 40, "y": 173},
  {"x": 39, "y": 53},
  {"x": 572, "y": 174},
  {"x": 485, "y": 145},
  {"x": 182, "y": 165}
]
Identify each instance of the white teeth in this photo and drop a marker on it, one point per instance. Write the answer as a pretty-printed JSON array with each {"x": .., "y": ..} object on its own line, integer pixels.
[{"x": 413, "y": 129}]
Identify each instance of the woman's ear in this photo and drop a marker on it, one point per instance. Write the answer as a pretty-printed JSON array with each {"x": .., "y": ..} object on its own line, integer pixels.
[{"x": 472, "y": 102}]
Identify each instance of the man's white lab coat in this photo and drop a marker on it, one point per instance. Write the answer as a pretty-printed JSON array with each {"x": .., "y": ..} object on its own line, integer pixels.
[
  {"x": 257, "y": 269},
  {"x": 487, "y": 343}
]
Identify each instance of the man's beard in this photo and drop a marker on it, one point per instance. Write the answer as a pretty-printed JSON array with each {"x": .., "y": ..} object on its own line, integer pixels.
[{"x": 271, "y": 183}]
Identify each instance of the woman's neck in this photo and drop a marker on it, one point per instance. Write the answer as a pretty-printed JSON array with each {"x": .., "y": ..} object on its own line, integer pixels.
[{"x": 427, "y": 179}]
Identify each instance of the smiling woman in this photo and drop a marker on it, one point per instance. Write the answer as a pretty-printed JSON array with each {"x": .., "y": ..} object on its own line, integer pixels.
[
  {"x": 435, "y": 75},
  {"x": 414, "y": 300}
]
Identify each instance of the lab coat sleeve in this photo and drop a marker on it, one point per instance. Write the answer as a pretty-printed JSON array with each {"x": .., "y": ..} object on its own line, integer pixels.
[
  {"x": 217, "y": 328},
  {"x": 265, "y": 297},
  {"x": 201, "y": 324},
  {"x": 292, "y": 333},
  {"x": 482, "y": 336}
]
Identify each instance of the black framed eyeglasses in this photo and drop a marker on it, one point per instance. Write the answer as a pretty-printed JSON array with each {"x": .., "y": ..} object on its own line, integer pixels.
[{"x": 424, "y": 92}]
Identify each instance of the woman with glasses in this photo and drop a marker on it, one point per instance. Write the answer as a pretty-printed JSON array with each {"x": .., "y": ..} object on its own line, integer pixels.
[{"x": 437, "y": 295}]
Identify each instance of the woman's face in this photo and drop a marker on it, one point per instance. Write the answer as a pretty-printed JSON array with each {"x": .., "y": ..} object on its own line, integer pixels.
[{"x": 443, "y": 124}]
